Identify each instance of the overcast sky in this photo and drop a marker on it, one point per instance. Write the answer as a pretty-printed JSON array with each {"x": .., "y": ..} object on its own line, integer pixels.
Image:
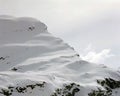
[{"x": 92, "y": 27}]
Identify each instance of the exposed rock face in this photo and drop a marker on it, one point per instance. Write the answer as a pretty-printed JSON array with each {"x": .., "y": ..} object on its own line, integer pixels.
[{"x": 34, "y": 63}]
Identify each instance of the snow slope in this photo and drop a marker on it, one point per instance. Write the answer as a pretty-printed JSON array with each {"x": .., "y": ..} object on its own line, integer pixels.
[{"x": 34, "y": 63}]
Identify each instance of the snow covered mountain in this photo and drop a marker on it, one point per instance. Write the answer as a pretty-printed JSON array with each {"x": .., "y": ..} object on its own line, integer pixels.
[{"x": 34, "y": 63}]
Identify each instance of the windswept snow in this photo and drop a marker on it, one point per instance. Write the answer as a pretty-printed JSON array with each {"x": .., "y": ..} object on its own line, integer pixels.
[{"x": 34, "y": 63}]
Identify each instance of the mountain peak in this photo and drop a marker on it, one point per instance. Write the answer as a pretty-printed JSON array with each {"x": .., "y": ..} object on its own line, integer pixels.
[{"x": 14, "y": 30}]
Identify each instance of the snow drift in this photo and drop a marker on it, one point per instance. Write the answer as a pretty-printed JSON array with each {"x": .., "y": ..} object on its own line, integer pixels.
[{"x": 34, "y": 63}]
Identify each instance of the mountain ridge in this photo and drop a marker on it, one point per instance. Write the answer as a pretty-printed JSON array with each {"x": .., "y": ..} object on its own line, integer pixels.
[{"x": 33, "y": 62}]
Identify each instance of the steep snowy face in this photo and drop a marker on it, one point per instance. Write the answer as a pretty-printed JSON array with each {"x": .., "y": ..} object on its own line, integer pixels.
[
  {"x": 26, "y": 42},
  {"x": 33, "y": 62}
]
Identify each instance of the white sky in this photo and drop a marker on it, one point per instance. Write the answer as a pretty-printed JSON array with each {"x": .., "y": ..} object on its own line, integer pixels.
[{"x": 90, "y": 26}]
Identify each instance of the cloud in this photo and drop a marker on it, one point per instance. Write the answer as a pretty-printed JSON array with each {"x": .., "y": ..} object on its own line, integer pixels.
[{"x": 96, "y": 57}]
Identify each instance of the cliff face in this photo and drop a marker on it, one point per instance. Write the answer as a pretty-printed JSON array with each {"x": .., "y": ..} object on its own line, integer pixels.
[{"x": 34, "y": 63}]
